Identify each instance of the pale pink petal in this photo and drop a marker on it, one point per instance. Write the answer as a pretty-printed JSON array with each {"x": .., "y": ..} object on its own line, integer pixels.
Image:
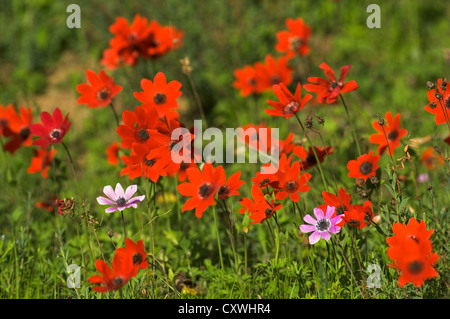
[
  {"x": 130, "y": 191},
  {"x": 307, "y": 228},
  {"x": 119, "y": 191},
  {"x": 325, "y": 235},
  {"x": 330, "y": 212},
  {"x": 314, "y": 238},
  {"x": 108, "y": 191},
  {"x": 309, "y": 219},
  {"x": 111, "y": 209},
  {"x": 319, "y": 214},
  {"x": 105, "y": 201}
]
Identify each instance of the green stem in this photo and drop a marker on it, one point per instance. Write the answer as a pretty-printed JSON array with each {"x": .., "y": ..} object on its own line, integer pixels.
[
  {"x": 218, "y": 238},
  {"x": 351, "y": 125},
  {"x": 115, "y": 114},
  {"x": 313, "y": 149}
]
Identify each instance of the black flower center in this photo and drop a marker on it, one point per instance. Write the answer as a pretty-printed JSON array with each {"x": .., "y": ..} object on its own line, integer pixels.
[
  {"x": 137, "y": 259},
  {"x": 354, "y": 223},
  {"x": 24, "y": 133},
  {"x": 323, "y": 225},
  {"x": 224, "y": 190},
  {"x": 311, "y": 159},
  {"x": 415, "y": 267},
  {"x": 205, "y": 190},
  {"x": 334, "y": 84},
  {"x": 392, "y": 135},
  {"x": 103, "y": 94},
  {"x": 143, "y": 134},
  {"x": 366, "y": 168},
  {"x": 149, "y": 162},
  {"x": 367, "y": 217},
  {"x": 55, "y": 134},
  {"x": 291, "y": 186},
  {"x": 268, "y": 212},
  {"x": 275, "y": 79},
  {"x": 160, "y": 98},
  {"x": 118, "y": 281},
  {"x": 292, "y": 107},
  {"x": 121, "y": 201},
  {"x": 340, "y": 210}
]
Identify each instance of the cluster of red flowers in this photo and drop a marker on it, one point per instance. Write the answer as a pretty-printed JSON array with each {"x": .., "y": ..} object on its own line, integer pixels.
[
  {"x": 19, "y": 128},
  {"x": 202, "y": 187},
  {"x": 141, "y": 38},
  {"x": 411, "y": 250},
  {"x": 125, "y": 265},
  {"x": 147, "y": 132},
  {"x": 355, "y": 216},
  {"x": 257, "y": 78}
]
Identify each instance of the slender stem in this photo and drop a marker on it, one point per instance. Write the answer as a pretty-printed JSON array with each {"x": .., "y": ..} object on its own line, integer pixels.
[
  {"x": 124, "y": 230},
  {"x": 115, "y": 114},
  {"x": 197, "y": 99},
  {"x": 313, "y": 149},
  {"x": 351, "y": 125},
  {"x": 218, "y": 238},
  {"x": 72, "y": 167}
]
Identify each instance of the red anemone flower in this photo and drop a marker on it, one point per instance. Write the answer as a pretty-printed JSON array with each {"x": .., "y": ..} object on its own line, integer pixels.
[
  {"x": 202, "y": 187},
  {"x": 259, "y": 208},
  {"x": 288, "y": 104},
  {"x": 364, "y": 167},
  {"x": 439, "y": 98},
  {"x": 100, "y": 90},
  {"x": 159, "y": 93},
  {"x": 290, "y": 182},
  {"x": 390, "y": 138},
  {"x": 137, "y": 126},
  {"x": 430, "y": 159},
  {"x": 329, "y": 90},
  {"x": 135, "y": 254},
  {"x": 295, "y": 39},
  {"x": 140, "y": 163},
  {"x": 273, "y": 71},
  {"x": 246, "y": 80},
  {"x": 308, "y": 159},
  {"x": 340, "y": 201},
  {"x": 41, "y": 161},
  {"x": 112, "y": 153},
  {"x": 354, "y": 217},
  {"x": 18, "y": 127},
  {"x": 114, "y": 279},
  {"x": 230, "y": 188},
  {"x": 52, "y": 130},
  {"x": 411, "y": 250}
]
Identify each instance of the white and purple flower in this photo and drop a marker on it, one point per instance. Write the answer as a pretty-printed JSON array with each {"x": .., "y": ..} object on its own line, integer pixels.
[
  {"x": 119, "y": 199},
  {"x": 322, "y": 226}
]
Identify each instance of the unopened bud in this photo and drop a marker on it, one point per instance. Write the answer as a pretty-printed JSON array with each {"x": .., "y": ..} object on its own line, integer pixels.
[{"x": 430, "y": 85}]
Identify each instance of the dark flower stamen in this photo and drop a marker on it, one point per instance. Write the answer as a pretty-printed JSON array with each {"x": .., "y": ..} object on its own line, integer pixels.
[
  {"x": 354, "y": 223},
  {"x": 118, "y": 281},
  {"x": 24, "y": 133},
  {"x": 160, "y": 98},
  {"x": 323, "y": 225},
  {"x": 366, "y": 168},
  {"x": 415, "y": 267},
  {"x": 143, "y": 134},
  {"x": 223, "y": 190},
  {"x": 291, "y": 186},
  {"x": 103, "y": 94},
  {"x": 205, "y": 190},
  {"x": 137, "y": 259},
  {"x": 392, "y": 135},
  {"x": 121, "y": 201}
]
